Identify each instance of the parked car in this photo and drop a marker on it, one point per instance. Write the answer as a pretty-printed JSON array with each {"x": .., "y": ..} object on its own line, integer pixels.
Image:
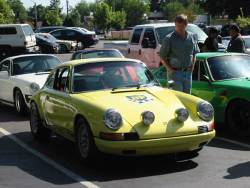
[
  {"x": 86, "y": 39},
  {"x": 48, "y": 29},
  {"x": 96, "y": 53},
  {"x": 16, "y": 39},
  {"x": 224, "y": 80},
  {"x": 115, "y": 106},
  {"x": 63, "y": 46},
  {"x": 145, "y": 42},
  {"x": 22, "y": 76},
  {"x": 46, "y": 43},
  {"x": 226, "y": 40}
]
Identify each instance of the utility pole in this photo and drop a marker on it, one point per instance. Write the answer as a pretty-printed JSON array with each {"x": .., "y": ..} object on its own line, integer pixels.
[
  {"x": 35, "y": 13},
  {"x": 67, "y": 5}
]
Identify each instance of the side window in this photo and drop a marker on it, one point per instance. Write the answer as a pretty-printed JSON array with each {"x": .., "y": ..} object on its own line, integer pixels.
[
  {"x": 70, "y": 33},
  {"x": 5, "y": 66},
  {"x": 149, "y": 33},
  {"x": 62, "y": 80},
  {"x": 50, "y": 81},
  {"x": 196, "y": 71},
  {"x": 136, "y": 36},
  {"x": 57, "y": 34},
  {"x": 202, "y": 71},
  {"x": 8, "y": 31}
]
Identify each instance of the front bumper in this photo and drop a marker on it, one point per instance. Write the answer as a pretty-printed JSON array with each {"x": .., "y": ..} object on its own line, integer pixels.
[{"x": 155, "y": 146}]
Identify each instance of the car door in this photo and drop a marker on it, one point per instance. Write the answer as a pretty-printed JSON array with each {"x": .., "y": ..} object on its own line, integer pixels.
[
  {"x": 58, "y": 34},
  {"x": 134, "y": 50},
  {"x": 6, "y": 90},
  {"x": 201, "y": 86},
  {"x": 59, "y": 111},
  {"x": 70, "y": 35},
  {"x": 148, "y": 52}
]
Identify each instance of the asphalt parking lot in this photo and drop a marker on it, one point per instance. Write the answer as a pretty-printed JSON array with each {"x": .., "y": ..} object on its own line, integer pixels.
[{"x": 224, "y": 162}]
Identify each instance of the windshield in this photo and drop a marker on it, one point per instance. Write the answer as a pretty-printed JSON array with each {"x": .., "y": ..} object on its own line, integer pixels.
[
  {"x": 247, "y": 42},
  {"x": 110, "y": 75},
  {"x": 27, "y": 30},
  {"x": 163, "y": 31},
  {"x": 229, "y": 67},
  {"x": 34, "y": 64},
  {"x": 97, "y": 54}
]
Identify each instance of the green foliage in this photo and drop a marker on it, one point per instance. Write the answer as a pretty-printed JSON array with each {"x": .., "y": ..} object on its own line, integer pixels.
[
  {"x": 243, "y": 21},
  {"x": 103, "y": 16},
  {"x": 73, "y": 19},
  {"x": 84, "y": 9},
  {"x": 6, "y": 14},
  {"x": 172, "y": 9},
  {"x": 118, "y": 20},
  {"x": 41, "y": 12},
  {"x": 18, "y": 9},
  {"x": 53, "y": 18}
]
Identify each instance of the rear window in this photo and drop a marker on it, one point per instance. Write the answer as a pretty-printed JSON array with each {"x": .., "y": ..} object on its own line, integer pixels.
[
  {"x": 27, "y": 30},
  {"x": 8, "y": 31}
]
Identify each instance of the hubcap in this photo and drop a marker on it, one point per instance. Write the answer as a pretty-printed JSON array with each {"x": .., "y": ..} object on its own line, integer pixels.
[
  {"x": 34, "y": 120},
  {"x": 83, "y": 141}
]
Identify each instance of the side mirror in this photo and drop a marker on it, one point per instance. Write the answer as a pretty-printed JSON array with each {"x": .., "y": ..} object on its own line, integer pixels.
[
  {"x": 4, "y": 74},
  {"x": 145, "y": 43},
  {"x": 205, "y": 78}
]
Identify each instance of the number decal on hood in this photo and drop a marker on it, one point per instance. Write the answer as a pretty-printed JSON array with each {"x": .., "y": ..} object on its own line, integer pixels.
[{"x": 139, "y": 99}]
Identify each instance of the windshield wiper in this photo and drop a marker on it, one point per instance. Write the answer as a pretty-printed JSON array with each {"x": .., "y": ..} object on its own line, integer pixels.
[{"x": 138, "y": 86}]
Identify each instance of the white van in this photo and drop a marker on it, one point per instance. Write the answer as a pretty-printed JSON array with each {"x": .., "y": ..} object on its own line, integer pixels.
[
  {"x": 145, "y": 41},
  {"x": 16, "y": 39}
]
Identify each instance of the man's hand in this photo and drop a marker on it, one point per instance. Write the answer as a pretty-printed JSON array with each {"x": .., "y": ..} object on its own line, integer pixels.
[{"x": 167, "y": 66}]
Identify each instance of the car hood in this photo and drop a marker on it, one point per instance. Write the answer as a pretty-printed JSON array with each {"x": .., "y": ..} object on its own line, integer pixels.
[
  {"x": 38, "y": 78},
  {"x": 239, "y": 83},
  {"x": 131, "y": 103}
]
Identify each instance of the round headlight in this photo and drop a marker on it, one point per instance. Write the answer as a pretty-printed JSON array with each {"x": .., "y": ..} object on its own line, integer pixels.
[
  {"x": 34, "y": 87},
  {"x": 112, "y": 119},
  {"x": 148, "y": 117},
  {"x": 182, "y": 114},
  {"x": 205, "y": 111}
]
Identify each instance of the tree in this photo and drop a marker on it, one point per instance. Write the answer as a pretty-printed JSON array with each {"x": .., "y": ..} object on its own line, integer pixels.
[
  {"x": 18, "y": 9},
  {"x": 103, "y": 16},
  {"x": 84, "y": 9},
  {"x": 118, "y": 20},
  {"x": 6, "y": 14},
  {"x": 73, "y": 19},
  {"x": 172, "y": 9},
  {"x": 53, "y": 18},
  {"x": 41, "y": 11}
]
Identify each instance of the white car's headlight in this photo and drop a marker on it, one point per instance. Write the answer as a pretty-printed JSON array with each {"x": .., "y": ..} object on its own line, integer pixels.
[
  {"x": 112, "y": 119},
  {"x": 148, "y": 117},
  {"x": 182, "y": 114},
  {"x": 34, "y": 87},
  {"x": 205, "y": 111}
]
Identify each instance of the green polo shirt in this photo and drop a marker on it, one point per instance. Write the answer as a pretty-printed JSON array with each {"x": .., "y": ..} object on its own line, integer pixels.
[{"x": 179, "y": 51}]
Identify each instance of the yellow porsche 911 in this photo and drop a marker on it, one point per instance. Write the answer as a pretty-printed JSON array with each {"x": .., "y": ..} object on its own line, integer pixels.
[{"x": 116, "y": 106}]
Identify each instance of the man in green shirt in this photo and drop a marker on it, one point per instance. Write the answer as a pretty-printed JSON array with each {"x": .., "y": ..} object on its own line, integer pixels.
[{"x": 178, "y": 55}]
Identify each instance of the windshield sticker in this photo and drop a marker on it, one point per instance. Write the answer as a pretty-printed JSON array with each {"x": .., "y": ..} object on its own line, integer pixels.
[{"x": 139, "y": 99}]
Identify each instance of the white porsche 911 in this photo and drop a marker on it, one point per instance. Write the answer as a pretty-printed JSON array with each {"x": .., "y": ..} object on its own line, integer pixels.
[{"x": 21, "y": 76}]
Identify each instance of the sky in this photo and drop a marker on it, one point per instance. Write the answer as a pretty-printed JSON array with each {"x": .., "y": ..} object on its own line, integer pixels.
[{"x": 29, "y": 3}]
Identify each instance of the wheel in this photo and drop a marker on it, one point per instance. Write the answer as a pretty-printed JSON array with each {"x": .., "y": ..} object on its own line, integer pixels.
[
  {"x": 20, "y": 104},
  {"x": 85, "y": 142},
  {"x": 63, "y": 49},
  {"x": 5, "y": 52},
  {"x": 37, "y": 128},
  {"x": 238, "y": 118}
]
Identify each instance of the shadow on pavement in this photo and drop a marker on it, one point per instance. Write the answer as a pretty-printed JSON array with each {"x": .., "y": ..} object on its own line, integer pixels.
[
  {"x": 8, "y": 114},
  {"x": 226, "y": 145},
  {"x": 238, "y": 171},
  {"x": 106, "y": 168}
]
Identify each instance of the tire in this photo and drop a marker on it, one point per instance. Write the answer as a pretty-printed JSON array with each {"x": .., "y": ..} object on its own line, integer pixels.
[
  {"x": 20, "y": 104},
  {"x": 63, "y": 49},
  {"x": 85, "y": 142},
  {"x": 5, "y": 52},
  {"x": 38, "y": 131},
  {"x": 238, "y": 118}
]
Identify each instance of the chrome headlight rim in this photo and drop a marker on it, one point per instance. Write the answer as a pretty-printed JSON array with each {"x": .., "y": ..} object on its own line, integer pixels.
[
  {"x": 34, "y": 87},
  {"x": 208, "y": 115},
  {"x": 182, "y": 114},
  {"x": 112, "y": 119},
  {"x": 148, "y": 117}
]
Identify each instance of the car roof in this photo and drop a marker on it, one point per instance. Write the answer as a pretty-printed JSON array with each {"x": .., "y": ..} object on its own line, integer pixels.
[
  {"x": 28, "y": 55},
  {"x": 98, "y": 60},
  {"x": 156, "y": 25},
  {"x": 206, "y": 55},
  {"x": 12, "y": 25}
]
